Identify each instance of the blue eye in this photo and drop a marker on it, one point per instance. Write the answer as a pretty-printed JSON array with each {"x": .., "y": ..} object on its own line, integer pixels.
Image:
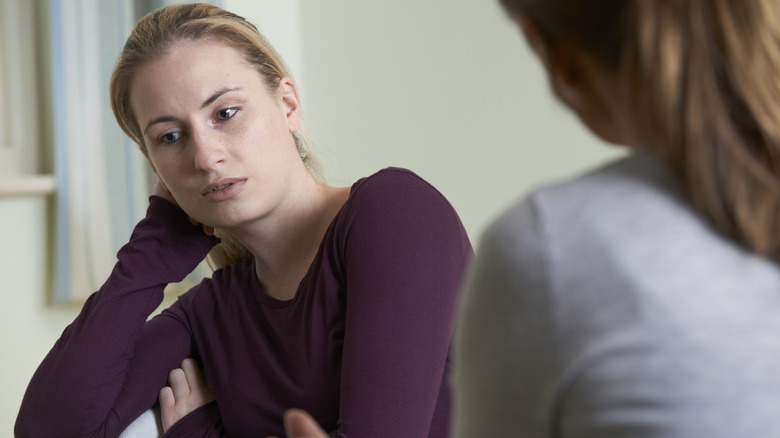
[
  {"x": 227, "y": 113},
  {"x": 170, "y": 137}
]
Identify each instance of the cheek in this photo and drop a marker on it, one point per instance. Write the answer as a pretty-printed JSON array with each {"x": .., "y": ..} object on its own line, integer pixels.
[{"x": 165, "y": 170}]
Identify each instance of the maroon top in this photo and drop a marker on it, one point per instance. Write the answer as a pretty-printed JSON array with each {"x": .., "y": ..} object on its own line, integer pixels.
[{"x": 363, "y": 346}]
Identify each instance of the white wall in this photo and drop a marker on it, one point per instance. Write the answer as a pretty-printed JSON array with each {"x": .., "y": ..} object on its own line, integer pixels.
[{"x": 444, "y": 87}]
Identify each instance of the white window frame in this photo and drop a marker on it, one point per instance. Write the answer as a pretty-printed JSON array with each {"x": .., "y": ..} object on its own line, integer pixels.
[{"x": 21, "y": 118}]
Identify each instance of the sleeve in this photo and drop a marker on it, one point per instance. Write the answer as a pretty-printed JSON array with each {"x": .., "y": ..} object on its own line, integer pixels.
[
  {"x": 204, "y": 422},
  {"x": 405, "y": 255},
  {"x": 108, "y": 365},
  {"x": 504, "y": 357}
]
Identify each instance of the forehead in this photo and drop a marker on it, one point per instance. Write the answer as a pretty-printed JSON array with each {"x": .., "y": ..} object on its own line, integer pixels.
[{"x": 188, "y": 73}]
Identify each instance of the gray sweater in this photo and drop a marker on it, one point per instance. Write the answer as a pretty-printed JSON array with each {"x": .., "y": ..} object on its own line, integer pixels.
[{"x": 607, "y": 307}]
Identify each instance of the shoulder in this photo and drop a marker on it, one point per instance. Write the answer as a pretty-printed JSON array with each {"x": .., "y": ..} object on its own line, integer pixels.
[
  {"x": 393, "y": 182},
  {"x": 562, "y": 244},
  {"x": 395, "y": 192},
  {"x": 511, "y": 269},
  {"x": 618, "y": 187},
  {"x": 396, "y": 208},
  {"x": 575, "y": 227}
]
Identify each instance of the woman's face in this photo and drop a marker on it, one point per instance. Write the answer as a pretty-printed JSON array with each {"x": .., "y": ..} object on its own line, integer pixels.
[{"x": 216, "y": 137}]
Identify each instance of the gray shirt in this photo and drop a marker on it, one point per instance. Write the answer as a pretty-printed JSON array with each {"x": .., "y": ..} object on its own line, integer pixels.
[{"x": 607, "y": 307}]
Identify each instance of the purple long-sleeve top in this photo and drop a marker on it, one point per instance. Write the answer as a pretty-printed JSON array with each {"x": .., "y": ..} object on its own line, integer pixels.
[{"x": 363, "y": 346}]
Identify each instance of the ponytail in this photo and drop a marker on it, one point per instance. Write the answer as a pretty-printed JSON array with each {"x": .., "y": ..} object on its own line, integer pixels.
[
  {"x": 705, "y": 82},
  {"x": 705, "y": 75}
]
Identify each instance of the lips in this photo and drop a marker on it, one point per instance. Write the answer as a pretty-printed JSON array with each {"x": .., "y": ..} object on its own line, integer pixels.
[
  {"x": 223, "y": 189},
  {"x": 220, "y": 185}
]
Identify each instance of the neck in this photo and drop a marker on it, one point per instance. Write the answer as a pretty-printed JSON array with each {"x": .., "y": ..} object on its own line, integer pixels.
[{"x": 285, "y": 242}]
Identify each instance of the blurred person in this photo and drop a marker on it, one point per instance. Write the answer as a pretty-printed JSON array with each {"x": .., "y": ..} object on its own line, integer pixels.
[{"x": 641, "y": 299}]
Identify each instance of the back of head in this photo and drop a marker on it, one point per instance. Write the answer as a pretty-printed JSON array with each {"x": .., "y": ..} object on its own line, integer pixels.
[
  {"x": 702, "y": 75},
  {"x": 160, "y": 32}
]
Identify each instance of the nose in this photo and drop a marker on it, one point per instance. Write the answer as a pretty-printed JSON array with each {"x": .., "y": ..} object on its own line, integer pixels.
[{"x": 207, "y": 148}]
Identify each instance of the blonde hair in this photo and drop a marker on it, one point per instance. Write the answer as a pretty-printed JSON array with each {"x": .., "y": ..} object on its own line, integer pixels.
[
  {"x": 704, "y": 81},
  {"x": 155, "y": 35}
]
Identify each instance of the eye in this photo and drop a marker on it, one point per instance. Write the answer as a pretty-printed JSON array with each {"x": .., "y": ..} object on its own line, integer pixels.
[
  {"x": 170, "y": 137},
  {"x": 226, "y": 113}
]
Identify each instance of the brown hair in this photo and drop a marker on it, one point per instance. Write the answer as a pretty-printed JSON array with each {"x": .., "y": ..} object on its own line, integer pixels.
[
  {"x": 156, "y": 34},
  {"x": 703, "y": 77}
]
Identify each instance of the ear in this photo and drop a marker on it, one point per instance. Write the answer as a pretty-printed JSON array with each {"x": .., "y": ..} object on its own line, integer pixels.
[
  {"x": 291, "y": 104},
  {"x": 571, "y": 78},
  {"x": 535, "y": 39},
  {"x": 562, "y": 62}
]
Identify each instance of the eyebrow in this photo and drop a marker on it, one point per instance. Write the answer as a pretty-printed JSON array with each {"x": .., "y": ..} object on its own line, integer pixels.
[{"x": 216, "y": 95}]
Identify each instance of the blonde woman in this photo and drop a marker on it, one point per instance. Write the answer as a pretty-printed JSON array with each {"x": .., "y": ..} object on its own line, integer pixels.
[{"x": 338, "y": 300}]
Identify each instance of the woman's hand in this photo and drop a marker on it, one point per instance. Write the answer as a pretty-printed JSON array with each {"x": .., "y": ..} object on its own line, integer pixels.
[
  {"x": 163, "y": 192},
  {"x": 187, "y": 392},
  {"x": 299, "y": 424}
]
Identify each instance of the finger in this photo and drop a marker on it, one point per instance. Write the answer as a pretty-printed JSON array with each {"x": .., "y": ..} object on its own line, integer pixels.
[
  {"x": 167, "y": 408},
  {"x": 167, "y": 400},
  {"x": 178, "y": 383},
  {"x": 200, "y": 393},
  {"x": 193, "y": 376},
  {"x": 207, "y": 230},
  {"x": 299, "y": 424},
  {"x": 190, "y": 368}
]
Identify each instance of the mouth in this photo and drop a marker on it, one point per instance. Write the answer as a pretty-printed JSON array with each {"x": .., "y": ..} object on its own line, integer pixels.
[
  {"x": 216, "y": 189},
  {"x": 220, "y": 186}
]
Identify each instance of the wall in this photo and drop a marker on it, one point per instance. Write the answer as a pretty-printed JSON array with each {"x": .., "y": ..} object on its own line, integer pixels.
[
  {"x": 444, "y": 87},
  {"x": 28, "y": 327}
]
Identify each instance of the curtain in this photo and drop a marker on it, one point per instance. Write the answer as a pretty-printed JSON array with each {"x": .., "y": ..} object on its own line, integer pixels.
[{"x": 103, "y": 180}]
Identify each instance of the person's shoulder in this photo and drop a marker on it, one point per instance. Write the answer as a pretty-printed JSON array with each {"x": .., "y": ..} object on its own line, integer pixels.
[
  {"x": 514, "y": 234},
  {"x": 396, "y": 198},
  {"x": 391, "y": 179},
  {"x": 572, "y": 207},
  {"x": 395, "y": 186},
  {"x": 637, "y": 174}
]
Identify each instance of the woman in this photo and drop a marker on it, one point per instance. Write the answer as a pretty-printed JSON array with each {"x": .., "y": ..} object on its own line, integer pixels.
[
  {"x": 643, "y": 299},
  {"x": 338, "y": 300}
]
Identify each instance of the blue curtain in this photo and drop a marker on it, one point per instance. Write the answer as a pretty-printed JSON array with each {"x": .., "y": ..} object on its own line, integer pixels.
[{"x": 103, "y": 180}]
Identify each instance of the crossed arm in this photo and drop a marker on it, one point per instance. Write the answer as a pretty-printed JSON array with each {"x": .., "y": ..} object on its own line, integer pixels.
[{"x": 188, "y": 391}]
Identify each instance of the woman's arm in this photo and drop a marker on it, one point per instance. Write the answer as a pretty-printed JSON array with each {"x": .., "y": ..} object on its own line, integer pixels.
[
  {"x": 405, "y": 257},
  {"x": 100, "y": 372}
]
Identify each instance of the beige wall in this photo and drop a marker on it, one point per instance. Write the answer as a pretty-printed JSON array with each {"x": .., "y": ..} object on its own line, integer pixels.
[
  {"x": 446, "y": 88},
  {"x": 28, "y": 327}
]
